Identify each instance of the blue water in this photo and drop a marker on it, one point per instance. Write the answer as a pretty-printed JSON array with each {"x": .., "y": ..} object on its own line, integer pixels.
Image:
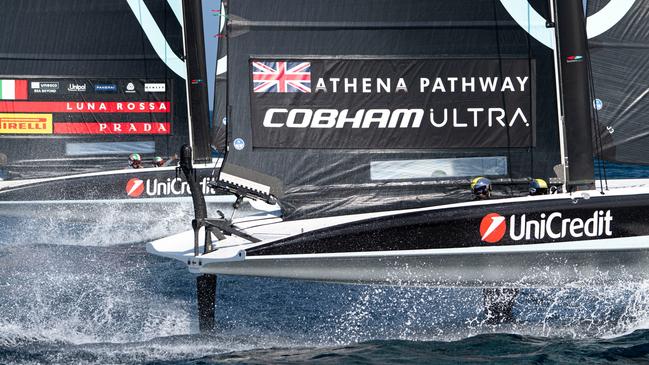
[
  {"x": 78, "y": 294},
  {"x": 620, "y": 170}
]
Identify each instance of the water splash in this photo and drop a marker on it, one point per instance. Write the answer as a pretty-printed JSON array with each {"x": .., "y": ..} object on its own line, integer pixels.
[
  {"x": 110, "y": 302},
  {"x": 101, "y": 224}
]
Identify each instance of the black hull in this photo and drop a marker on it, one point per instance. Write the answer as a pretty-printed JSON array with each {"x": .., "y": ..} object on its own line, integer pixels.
[
  {"x": 459, "y": 227},
  {"x": 151, "y": 191},
  {"x": 108, "y": 185},
  {"x": 529, "y": 241}
]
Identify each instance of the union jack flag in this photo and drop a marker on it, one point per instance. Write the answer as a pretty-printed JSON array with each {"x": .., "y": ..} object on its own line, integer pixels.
[{"x": 281, "y": 76}]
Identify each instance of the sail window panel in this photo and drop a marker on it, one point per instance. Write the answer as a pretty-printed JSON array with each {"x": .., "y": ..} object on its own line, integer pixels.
[
  {"x": 438, "y": 168},
  {"x": 108, "y": 148}
]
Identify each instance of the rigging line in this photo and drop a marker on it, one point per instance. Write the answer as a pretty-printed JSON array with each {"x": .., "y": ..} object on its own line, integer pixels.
[
  {"x": 595, "y": 133},
  {"x": 166, "y": 78},
  {"x": 603, "y": 161},
  {"x": 595, "y": 125},
  {"x": 592, "y": 80},
  {"x": 595, "y": 120},
  {"x": 529, "y": 70},
  {"x": 595, "y": 117},
  {"x": 500, "y": 66}
]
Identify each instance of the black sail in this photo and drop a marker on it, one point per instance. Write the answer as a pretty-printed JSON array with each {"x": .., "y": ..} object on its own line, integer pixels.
[
  {"x": 619, "y": 51},
  {"x": 85, "y": 83},
  {"x": 219, "y": 117},
  {"x": 349, "y": 106}
]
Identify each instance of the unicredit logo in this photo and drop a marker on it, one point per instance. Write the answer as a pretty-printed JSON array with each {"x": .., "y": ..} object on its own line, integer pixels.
[
  {"x": 492, "y": 228},
  {"x": 550, "y": 226},
  {"x": 134, "y": 187}
]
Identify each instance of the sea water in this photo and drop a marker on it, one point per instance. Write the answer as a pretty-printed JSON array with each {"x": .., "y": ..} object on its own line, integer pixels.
[{"x": 92, "y": 295}]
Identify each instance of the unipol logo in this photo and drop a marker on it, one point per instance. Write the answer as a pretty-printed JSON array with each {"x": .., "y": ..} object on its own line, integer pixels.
[
  {"x": 134, "y": 187},
  {"x": 492, "y": 227}
]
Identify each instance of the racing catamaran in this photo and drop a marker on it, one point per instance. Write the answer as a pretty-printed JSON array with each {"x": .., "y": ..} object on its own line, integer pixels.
[
  {"x": 365, "y": 121},
  {"x": 83, "y": 85}
]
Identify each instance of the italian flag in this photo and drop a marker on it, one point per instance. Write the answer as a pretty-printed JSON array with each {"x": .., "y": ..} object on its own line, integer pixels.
[{"x": 13, "y": 89}]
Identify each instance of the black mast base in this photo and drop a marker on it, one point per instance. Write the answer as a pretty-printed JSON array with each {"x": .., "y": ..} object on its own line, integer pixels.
[
  {"x": 206, "y": 295},
  {"x": 499, "y": 304}
]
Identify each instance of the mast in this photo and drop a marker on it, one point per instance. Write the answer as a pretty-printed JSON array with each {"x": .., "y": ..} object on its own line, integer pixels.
[
  {"x": 199, "y": 133},
  {"x": 572, "y": 49},
  {"x": 197, "y": 103}
]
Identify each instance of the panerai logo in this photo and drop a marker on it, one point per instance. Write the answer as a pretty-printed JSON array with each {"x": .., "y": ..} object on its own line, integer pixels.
[{"x": 493, "y": 226}]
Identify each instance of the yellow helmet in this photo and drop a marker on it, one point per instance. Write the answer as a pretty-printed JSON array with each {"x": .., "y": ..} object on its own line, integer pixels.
[
  {"x": 538, "y": 187},
  {"x": 481, "y": 186}
]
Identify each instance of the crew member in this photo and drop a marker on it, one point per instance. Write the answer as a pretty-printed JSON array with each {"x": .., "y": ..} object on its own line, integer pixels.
[
  {"x": 135, "y": 161},
  {"x": 481, "y": 188},
  {"x": 158, "y": 161},
  {"x": 538, "y": 187}
]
